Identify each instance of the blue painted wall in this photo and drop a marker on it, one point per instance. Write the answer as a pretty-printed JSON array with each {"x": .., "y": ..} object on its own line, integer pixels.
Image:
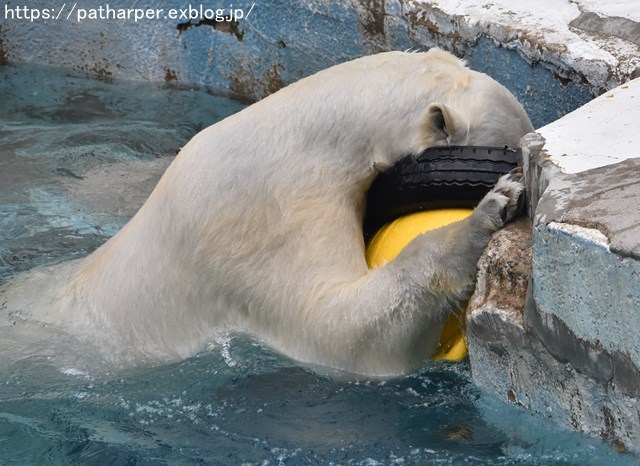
[{"x": 275, "y": 43}]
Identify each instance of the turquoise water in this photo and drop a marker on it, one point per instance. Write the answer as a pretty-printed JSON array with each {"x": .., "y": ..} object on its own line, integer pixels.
[{"x": 77, "y": 157}]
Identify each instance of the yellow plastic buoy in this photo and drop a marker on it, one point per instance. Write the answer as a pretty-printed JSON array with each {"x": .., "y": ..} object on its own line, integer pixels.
[{"x": 393, "y": 237}]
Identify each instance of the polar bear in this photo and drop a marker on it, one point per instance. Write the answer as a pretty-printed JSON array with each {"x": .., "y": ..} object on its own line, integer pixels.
[{"x": 256, "y": 227}]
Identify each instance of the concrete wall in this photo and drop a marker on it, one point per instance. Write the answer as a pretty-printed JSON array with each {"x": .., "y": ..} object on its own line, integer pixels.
[
  {"x": 567, "y": 345},
  {"x": 261, "y": 46}
]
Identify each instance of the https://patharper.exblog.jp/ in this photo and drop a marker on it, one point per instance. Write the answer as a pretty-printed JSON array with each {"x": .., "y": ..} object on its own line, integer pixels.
[{"x": 106, "y": 12}]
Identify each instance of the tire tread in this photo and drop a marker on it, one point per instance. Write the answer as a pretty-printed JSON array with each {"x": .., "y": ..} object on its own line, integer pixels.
[{"x": 440, "y": 177}]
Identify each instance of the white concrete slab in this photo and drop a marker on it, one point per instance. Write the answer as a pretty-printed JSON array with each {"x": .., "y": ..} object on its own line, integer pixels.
[
  {"x": 600, "y": 133},
  {"x": 607, "y": 40},
  {"x": 629, "y": 9}
]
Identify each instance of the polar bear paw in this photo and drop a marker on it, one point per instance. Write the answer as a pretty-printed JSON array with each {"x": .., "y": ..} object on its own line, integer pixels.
[{"x": 504, "y": 202}]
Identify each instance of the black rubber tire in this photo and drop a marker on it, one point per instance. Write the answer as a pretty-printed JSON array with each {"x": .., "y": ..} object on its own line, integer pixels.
[{"x": 440, "y": 177}]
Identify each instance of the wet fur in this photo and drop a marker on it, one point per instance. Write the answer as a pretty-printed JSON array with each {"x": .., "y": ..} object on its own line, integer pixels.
[{"x": 257, "y": 227}]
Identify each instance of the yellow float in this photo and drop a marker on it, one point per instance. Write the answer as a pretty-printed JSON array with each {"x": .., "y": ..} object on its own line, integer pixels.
[
  {"x": 427, "y": 191},
  {"x": 393, "y": 237}
]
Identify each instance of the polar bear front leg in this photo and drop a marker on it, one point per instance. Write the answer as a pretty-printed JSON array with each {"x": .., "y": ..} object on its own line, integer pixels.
[
  {"x": 444, "y": 260},
  {"x": 390, "y": 321}
]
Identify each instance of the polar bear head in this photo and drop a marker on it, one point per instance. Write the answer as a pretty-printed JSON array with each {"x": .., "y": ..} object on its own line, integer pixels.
[
  {"x": 397, "y": 103},
  {"x": 474, "y": 109}
]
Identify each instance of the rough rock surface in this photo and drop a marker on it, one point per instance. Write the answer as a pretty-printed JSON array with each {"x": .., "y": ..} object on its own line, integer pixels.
[
  {"x": 567, "y": 344},
  {"x": 535, "y": 360},
  {"x": 495, "y": 314}
]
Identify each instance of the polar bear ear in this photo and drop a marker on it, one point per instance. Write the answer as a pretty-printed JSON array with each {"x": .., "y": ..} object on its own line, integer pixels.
[{"x": 439, "y": 125}]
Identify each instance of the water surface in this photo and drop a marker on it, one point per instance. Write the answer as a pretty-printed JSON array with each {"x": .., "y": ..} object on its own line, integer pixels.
[{"x": 77, "y": 158}]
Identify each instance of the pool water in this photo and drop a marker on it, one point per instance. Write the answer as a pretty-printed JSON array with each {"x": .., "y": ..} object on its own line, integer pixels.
[{"x": 77, "y": 158}]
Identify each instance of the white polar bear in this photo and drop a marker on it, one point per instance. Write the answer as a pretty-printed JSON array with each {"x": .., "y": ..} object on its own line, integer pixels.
[{"x": 257, "y": 227}]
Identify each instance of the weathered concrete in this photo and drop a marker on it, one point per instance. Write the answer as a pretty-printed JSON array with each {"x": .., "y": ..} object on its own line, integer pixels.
[
  {"x": 581, "y": 142},
  {"x": 495, "y": 316},
  {"x": 569, "y": 348},
  {"x": 567, "y": 57}
]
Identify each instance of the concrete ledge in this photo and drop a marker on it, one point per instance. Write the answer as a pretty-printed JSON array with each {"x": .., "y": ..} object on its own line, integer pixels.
[
  {"x": 583, "y": 39},
  {"x": 570, "y": 346}
]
